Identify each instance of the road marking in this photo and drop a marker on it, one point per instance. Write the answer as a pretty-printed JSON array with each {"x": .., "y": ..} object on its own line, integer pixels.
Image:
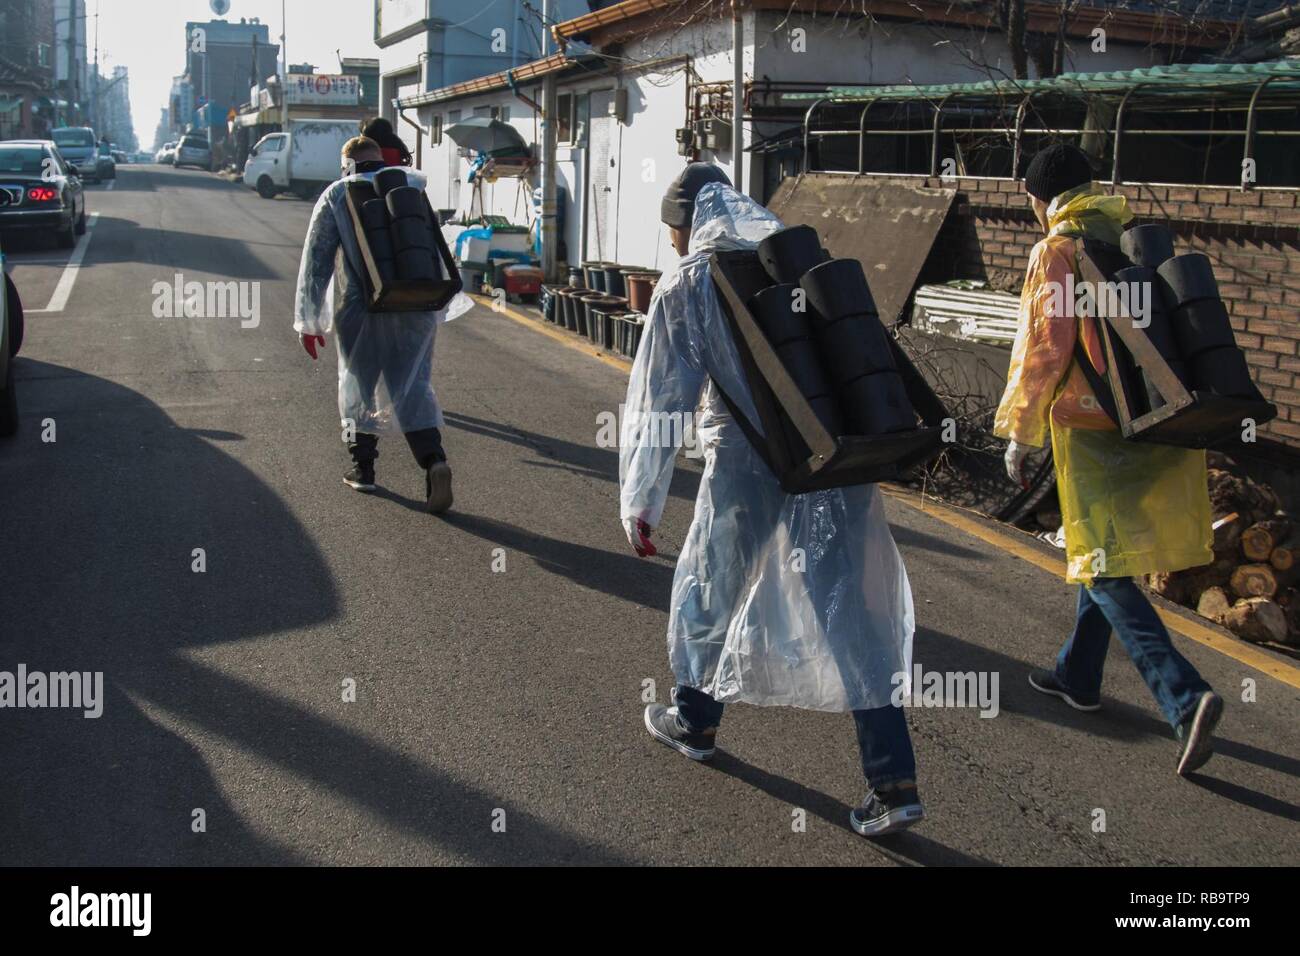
[
  {"x": 564, "y": 337},
  {"x": 1190, "y": 628},
  {"x": 111, "y": 184},
  {"x": 64, "y": 289}
]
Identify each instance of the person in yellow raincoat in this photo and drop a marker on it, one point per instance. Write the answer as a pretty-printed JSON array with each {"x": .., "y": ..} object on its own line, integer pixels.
[{"x": 1128, "y": 507}]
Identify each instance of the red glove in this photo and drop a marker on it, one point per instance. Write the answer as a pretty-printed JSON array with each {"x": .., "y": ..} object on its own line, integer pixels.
[
  {"x": 638, "y": 535},
  {"x": 311, "y": 343}
]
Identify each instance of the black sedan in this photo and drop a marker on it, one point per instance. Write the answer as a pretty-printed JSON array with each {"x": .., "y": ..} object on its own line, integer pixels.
[{"x": 40, "y": 191}]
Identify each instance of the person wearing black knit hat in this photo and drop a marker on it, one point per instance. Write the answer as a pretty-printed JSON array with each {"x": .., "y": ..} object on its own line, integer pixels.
[
  {"x": 778, "y": 599},
  {"x": 1127, "y": 508}
]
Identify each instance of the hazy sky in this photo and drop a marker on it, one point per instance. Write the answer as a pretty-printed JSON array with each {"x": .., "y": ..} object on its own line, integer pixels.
[{"x": 148, "y": 37}]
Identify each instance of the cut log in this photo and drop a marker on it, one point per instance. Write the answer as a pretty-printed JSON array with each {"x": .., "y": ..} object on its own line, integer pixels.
[
  {"x": 1259, "y": 540},
  {"x": 1213, "y": 604},
  {"x": 1254, "y": 580},
  {"x": 1284, "y": 556},
  {"x": 1169, "y": 585},
  {"x": 1256, "y": 619},
  {"x": 1227, "y": 535},
  {"x": 1194, "y": 581},
  {"x": 1229, "y": 493}
]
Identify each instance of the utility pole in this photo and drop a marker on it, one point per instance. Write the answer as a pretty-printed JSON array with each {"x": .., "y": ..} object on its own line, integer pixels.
[
  {"x": 94, "y": 96},
  {"x": 738, "y": 96},
  {"x": 550, "y": 106}
]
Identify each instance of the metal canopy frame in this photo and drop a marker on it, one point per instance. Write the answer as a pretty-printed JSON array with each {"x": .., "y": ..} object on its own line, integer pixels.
[{"x": 1246, "y": 84}]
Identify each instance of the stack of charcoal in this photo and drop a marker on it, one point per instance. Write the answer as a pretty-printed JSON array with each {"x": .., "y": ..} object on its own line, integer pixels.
[
  {"x": 399, "y": 229},
  {"x": 1188, "y": 320},
  {"x": 821, "y": 320},
  {"x": 1252, "y": 587}
]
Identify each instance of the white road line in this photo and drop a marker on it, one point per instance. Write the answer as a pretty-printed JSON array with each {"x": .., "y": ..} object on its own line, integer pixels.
[
  {"x": 111, "y": 184},
  {"x": 64, "y": 289}
]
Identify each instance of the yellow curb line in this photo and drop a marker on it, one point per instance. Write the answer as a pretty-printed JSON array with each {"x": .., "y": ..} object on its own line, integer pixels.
[
  {"x": 570, "y": 339},
  {"x": 1189, "y": 628}
]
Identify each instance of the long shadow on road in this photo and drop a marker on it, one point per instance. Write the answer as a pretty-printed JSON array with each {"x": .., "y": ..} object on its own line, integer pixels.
[{"x": 97, "y": 560}]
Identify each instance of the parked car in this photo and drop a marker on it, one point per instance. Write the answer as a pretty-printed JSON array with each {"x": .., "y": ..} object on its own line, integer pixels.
[
  {"x": 193, "y": 151},
  {"x": 78, "y": 146},
  {"x": 11, "y": 340},
  {"x": 41, "y": 191},
  {"x": 165, "y": 155},
  {"x": 302, "y": 160}
]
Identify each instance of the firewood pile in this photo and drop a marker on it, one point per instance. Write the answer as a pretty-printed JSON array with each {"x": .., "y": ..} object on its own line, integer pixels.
[{"x": 1252, "y": 587}]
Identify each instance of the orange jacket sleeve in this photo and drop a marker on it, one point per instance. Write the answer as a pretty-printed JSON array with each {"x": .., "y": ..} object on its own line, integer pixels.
[{"x": 1044, "y": 344}]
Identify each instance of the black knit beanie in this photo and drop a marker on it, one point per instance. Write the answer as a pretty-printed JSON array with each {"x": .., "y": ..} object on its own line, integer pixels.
[
  {"x": 678, "y": 204},
  {"x": 1055, "y": 170}
]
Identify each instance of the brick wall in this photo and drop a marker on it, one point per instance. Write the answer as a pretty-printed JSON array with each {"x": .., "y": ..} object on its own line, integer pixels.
[{"x": 1252, "y": 237}]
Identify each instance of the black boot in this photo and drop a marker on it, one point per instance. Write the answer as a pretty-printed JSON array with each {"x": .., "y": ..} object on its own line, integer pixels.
[{"x": 364, "y": 450}]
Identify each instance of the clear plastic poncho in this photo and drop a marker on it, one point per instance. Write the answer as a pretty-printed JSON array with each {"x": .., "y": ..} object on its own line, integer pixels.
[
  {"x": 385, "y": 359},
  {"x": 797, "y": 600}
]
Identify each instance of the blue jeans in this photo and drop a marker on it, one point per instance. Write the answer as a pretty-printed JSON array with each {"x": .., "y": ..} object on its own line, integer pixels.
[
  {"x": 1118, "y": 604},
  {"x": 883, "y": 740}
]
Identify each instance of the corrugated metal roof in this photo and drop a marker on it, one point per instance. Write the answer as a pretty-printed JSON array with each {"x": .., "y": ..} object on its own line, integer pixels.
[{"x": 1193, "y": 77}]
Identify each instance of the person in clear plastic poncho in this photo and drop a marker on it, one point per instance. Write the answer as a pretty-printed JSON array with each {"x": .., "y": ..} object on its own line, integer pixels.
[
  {"x": 796, "y": 600},
  {"x": 385, "y": 360},
  {"x": 1128, "y": 507}
]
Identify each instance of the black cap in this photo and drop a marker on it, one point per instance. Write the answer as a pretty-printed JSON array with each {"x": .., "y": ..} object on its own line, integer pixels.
[
  {"x": 679, "y": 202},
  {"x": 1055, "y": 170}
]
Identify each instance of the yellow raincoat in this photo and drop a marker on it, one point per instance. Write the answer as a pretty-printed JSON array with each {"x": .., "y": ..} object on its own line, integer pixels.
[{"x": 1129, "y": 507}]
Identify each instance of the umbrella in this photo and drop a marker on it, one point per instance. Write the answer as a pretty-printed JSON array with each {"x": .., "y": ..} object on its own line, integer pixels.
[{"x": 485, "y": 135}]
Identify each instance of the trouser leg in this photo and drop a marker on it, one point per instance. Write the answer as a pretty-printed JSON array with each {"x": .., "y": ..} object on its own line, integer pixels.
[
  {"x": 885, "y": 745},
  {"x": 426, "y": 446},
  {"x": 1173, "y": 680},
  {"x": 697, "y": 711},
  {"x": 1079, "y": 665},
  {"x": 364, "y": 449}
]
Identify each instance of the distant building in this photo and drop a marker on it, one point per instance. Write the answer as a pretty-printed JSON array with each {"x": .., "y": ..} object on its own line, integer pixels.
[
  {"x": 26, "y": 72},
  {"x": 365, "y": 69},
  {"x": 431, "y": 44},
  {"x": 222, "y": 61},
  {"x": 71, "y": 72}
]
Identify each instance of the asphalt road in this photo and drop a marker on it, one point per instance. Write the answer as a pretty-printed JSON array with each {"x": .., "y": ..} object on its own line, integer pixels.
[{"x": 477, "y": 690}]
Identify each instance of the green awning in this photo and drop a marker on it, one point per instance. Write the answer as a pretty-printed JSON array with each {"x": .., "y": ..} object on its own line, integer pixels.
[{"x": 1188, "y": 78}]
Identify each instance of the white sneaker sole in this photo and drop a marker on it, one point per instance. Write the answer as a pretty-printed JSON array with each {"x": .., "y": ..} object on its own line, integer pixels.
[
  {"x": 1199, "y": 747},
  {"x": 1053, "y": 692},
  {"x": 692, "y": 752},
  {"x": 891, "y": 822}
]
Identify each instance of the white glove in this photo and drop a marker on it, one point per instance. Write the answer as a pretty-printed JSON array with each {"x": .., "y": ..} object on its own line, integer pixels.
[
  {"x": 638, "y": 536},
  {"x": 1015, "y": 460}
]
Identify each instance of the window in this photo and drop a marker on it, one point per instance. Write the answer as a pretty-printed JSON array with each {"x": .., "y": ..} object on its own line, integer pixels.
[
  {"x": 564, "y": 117},
  {"x": 43, "y": 54},
  {"x": 272, "y": 144},
  {"x": 501, "y": 113},
  {"x": 435, "y": 129},
  {"x": 74, "y": 136}
]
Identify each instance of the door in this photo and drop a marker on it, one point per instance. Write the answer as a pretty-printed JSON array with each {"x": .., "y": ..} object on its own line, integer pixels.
[{"x": 601, "y": 244}]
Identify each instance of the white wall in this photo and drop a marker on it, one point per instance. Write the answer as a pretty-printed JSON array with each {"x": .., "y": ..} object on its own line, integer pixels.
[{"x": 643, "y": 151}]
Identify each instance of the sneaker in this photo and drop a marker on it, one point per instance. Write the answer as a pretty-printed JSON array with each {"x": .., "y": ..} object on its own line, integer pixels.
[
  {"x": 887, "y": 811},
  {"x": 361, "y": 478},
  {"x": 1196, "y": 732},
  {"x": 437, "y": 487},
  {"x": 664, "y": 726},
  {"x": 1045, "y": 682}
]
